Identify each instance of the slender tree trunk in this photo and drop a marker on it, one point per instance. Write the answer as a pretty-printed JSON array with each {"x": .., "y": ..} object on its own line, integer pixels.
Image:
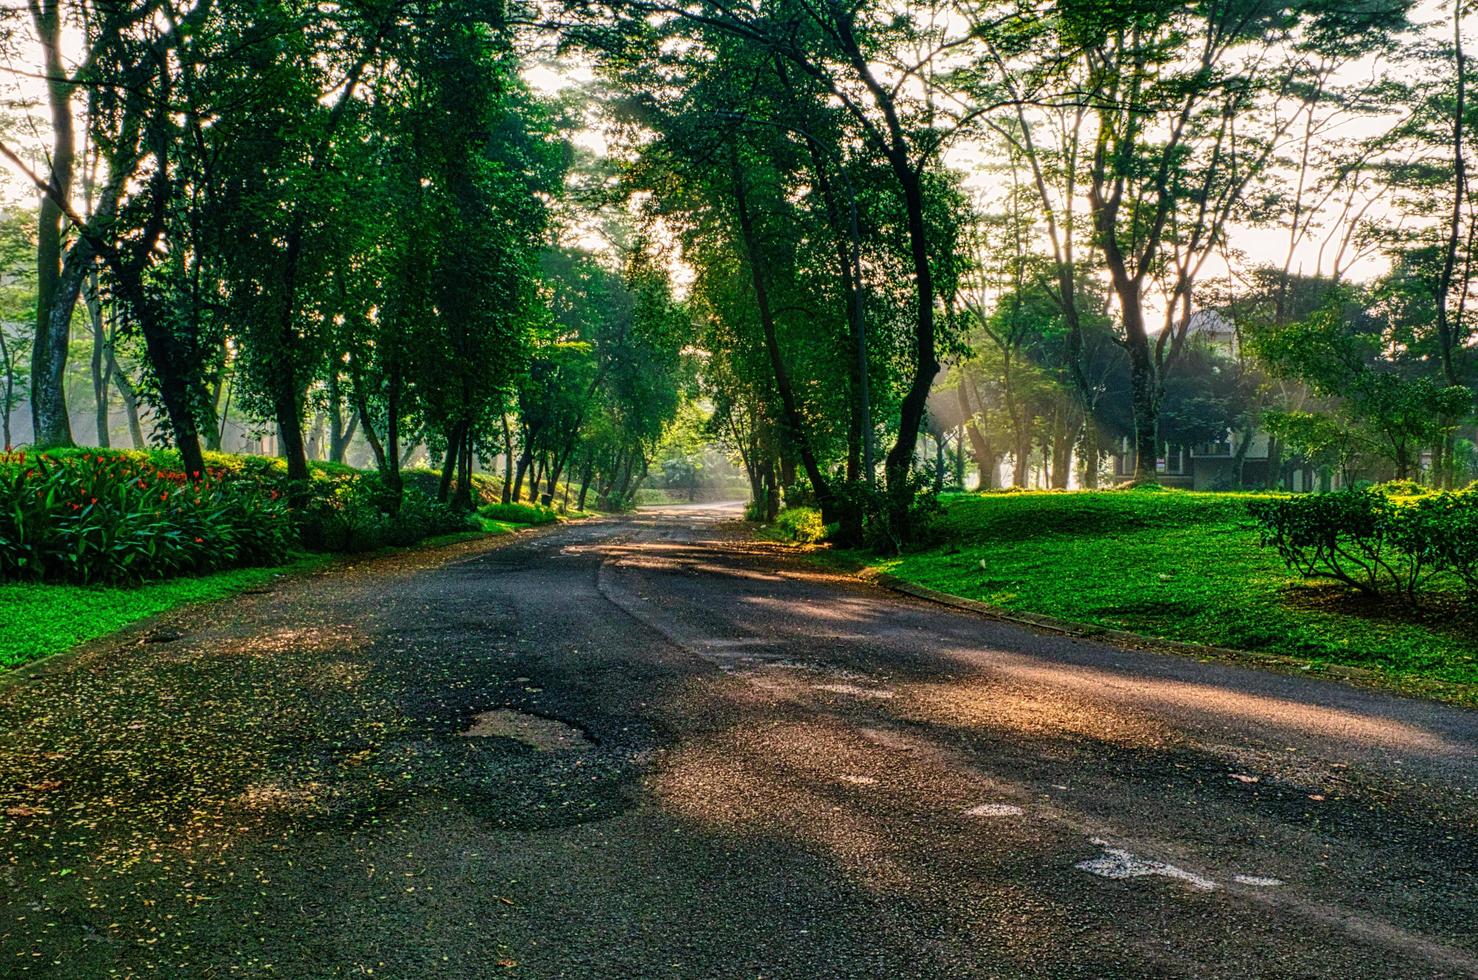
[
  {"x": 1146, "y": 403},
  {"x": 449, "y": 465},
  {"x": 585, "y": 483},
  {"x": 101, "y": 365},
  {"x": 1091, "y": 453},
  {"x": 9, "y": 394},
  {"x": 508, "y": 460},
  {"x": 463, "y": 499},
  {"x": 789, "y": 404},
  {"x": 130, "y": 400},
  {"x": 57, "y": 283}
]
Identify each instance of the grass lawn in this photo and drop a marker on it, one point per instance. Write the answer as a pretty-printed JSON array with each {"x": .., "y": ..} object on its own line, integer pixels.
[
  {"x": 43, "y": 618},
  {"x": 1181, "y": 566}
]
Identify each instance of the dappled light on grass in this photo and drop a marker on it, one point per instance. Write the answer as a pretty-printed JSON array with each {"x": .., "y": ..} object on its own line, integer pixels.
[{"x": 1182, "y": 566}]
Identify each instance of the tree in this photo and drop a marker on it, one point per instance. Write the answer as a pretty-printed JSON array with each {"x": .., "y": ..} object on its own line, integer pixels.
[
  {"x": 1343, "y": 351},
  {"x": 1170, "y": 115}
]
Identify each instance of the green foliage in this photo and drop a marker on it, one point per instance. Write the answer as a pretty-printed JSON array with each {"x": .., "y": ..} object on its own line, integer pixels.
[
  {"x": 802, "y": 525},
  {"x": 531, "y": 514},
  {"x": 94, "y": 518},
  {"x": 1179, "y": 565},
  {"x": 359, "y": 513},
  {"x": 1349, "y": 350},
  {"x": 888, "y": 519},
  {"x": 1384, "y": 540},
  {"x": 42, "y": 618}
]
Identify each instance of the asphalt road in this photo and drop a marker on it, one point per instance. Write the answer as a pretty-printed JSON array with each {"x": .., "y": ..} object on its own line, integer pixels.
[{"x": 768, "y": 771}]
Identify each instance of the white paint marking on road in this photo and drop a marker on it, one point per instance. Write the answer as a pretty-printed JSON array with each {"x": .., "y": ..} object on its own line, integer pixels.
[
  {"x": 1257, "y": 881},
  {"x": 854, "y": 690},
  {"x": 856, "y": 780},
  {"x": 995, "y": 810},
  {"x": 1119, "y": 864}
]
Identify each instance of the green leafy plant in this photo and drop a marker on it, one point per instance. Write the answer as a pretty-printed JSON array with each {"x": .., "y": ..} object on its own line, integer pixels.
[
  {"x": 518, "y": 513},
  {"x": 107, "y": 518},
  {"x": 802, "y": 525},
  {"x": 1393, "y": 539}
]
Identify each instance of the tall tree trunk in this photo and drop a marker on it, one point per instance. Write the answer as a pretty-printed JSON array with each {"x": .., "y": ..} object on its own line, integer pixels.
[
  {"x": 57, "y": 283},
  {"x": 788, "y": 402},
  {"x": 463, "y": 499},
  {"x": 130, "y": 400},
  {"x": 1091, "y": 452},
  {"x": 7, "y": 397},
  {"x": 172, "y": 364},
  {"x": 979, "y": 447},
  {"x": 1061, "y": 447},
  {"x": 454, "y": 436},
  {"x": 585, "y": 482}
]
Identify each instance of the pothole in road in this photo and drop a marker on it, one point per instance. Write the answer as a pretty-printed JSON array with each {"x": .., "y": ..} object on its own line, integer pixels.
[{"x": 537, "y": 732}]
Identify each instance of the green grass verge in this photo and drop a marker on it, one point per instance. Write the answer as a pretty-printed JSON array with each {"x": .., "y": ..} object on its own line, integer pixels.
[
  {"x": 1182, "y": 566},
  {"x": 43, "y": 618}
]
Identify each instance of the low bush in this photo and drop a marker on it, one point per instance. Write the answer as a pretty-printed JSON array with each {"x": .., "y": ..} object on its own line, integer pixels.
[
  {"x": 1380, "y": 540},
  {"x": 356, "y": 513},
  {"x": 871, "y": 515},
  {"x": 801, "y": 524},
  {"x": 518, "y": 513},
  {"x": 84, "y": 518}
]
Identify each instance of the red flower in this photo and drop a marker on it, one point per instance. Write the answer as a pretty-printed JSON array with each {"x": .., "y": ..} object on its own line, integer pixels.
[{"x": 200, "y": 541}]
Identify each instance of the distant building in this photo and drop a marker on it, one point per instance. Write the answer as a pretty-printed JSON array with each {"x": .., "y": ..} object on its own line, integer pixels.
[{"x": 1214, "y": 465}]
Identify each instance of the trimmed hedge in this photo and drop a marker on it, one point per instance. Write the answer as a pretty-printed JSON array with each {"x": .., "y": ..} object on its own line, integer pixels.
[{"x": 1381, "y": 540}]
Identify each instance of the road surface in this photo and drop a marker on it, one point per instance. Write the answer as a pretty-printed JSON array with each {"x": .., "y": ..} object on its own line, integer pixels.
[{"x": 648, "y": 747}]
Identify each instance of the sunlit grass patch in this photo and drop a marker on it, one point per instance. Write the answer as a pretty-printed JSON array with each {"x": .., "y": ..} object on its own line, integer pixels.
[
  {"x": 1181, "y": 566},
  {"x": 46, "y": 618}
]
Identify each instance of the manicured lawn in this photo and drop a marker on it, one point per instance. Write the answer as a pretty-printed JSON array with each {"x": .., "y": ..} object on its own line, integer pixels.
[
  {"x": 42, "y": 619},
  {"x": 1181, "y": 566}
]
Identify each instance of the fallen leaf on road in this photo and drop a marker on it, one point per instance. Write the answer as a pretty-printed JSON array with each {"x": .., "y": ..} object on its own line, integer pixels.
[{"x": 1242, "y": 777}]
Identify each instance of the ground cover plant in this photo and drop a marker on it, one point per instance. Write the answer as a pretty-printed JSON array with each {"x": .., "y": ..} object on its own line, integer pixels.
[
  {"x": 92, "y": 540},
  {"x": 1182, "y": 566},
  {"x": 530, "y": 514}
]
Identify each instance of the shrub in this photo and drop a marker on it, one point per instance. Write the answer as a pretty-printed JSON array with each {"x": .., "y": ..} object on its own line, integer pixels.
[
  {"x": 801, "y": 524},
  {"x": 1380, "y": 540},
  {"x": 356, "y": 513},
  {"x": 1401, "y": 488},
  {"x": 885, "y": 527},
  {"x": 518, "y": 513},
  {"x": 86, "y": 518},
  {"x": 1443, "y": 528}
]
